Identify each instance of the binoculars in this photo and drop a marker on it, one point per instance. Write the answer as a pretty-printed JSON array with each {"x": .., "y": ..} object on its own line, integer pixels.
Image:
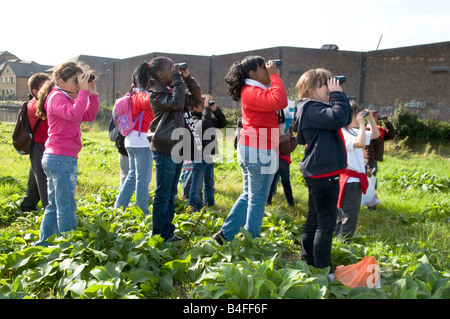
[{"x": 340, "y": 78}]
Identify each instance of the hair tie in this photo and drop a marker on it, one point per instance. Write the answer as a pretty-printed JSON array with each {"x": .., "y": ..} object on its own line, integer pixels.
[{"x": 148, "y": 66}]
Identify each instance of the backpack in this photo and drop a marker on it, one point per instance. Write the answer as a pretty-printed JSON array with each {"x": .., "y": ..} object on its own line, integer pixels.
[
  {"x": 23, "y": 136},
  {"x": 117, "y": 138},
  {"x": 122, "y": 117}
]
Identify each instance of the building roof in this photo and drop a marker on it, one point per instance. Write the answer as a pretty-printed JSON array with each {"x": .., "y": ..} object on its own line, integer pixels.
[{"x": 24, "y": 68}]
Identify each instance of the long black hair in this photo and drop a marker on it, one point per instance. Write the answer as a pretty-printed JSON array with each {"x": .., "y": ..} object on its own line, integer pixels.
[{"x": 238, "y": 72}]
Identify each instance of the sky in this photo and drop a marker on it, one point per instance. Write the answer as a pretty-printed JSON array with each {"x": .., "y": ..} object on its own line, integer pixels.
[{"x": 53, "y": 31}]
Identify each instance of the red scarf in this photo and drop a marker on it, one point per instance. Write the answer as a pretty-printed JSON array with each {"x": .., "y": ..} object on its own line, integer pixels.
[{"x": 343, "y": 179}]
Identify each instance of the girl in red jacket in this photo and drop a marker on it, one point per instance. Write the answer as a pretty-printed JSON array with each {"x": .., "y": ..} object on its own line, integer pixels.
[{"x": 258, "y": 145}]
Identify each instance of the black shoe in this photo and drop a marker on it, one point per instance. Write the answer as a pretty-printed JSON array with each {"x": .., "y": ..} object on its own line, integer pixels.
[{"x": 219, "y": 237}]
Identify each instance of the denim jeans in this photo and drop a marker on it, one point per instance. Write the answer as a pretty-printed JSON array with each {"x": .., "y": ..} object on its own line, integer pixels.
[
  {"x": 202, "y": 172},
  {"x": 167, "y": 174},
  {"x": 258, "y": 168},
  {"x": 320, "y": 223},
  {"x": 60, "y": 213},
  {"x": 138, "y": 179}
]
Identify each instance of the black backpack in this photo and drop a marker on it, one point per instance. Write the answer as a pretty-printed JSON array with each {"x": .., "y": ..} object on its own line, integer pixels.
[
  {"x": 117, "y": 138},
  {"x": 23, "y": 136}
]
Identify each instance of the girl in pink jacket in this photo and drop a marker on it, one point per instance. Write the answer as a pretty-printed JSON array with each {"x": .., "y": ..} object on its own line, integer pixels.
[{"x": 65, "y": 102}]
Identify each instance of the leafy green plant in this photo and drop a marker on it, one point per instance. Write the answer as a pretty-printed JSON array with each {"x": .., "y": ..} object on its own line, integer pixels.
[
  {"x": 420, "y": 180},
  {"x": 113, "y": 254}
]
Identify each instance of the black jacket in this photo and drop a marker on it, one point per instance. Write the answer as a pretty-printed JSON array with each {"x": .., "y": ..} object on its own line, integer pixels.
[
  {"x": 203, "y": 122},
  {"x": 170, "y": 107},
  {"x": 317, "y": 125}
]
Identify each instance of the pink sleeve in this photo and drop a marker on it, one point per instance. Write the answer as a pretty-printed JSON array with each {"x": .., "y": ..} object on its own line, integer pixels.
[
  {"x": 92, "y": 108},
  {"x": 71, "y": 110}
]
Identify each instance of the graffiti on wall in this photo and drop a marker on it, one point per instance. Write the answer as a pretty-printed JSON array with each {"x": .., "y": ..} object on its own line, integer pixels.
[{"x": 413, "y": 104}]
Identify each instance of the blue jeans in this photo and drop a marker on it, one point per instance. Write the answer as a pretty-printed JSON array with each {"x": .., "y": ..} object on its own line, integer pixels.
[
  {"x": 138, "y": 179},
  {"x": 167, "y": 175},
  {"x": 317, "y": 235},
  {"x": 202, "y": 172},
  {"x": 60, "y": 213},
  {"x": 258, "y": 168}
]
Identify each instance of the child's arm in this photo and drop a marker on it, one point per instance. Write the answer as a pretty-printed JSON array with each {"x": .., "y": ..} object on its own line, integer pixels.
[
  {"x": 92, "y": 108},
  {"x": 270, "y": 100},
  {"x": 374, "y": 131},
  {"x": 71, "y": 110},
  {"x": 360, "y": 140},
  {"x": 194, "y": 97},
  {"x": 166, "y": 101}
]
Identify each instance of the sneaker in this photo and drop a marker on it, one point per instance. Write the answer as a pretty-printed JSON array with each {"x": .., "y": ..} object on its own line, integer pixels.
[
  {"x": 219, "y": 237},
  {"x": 172, "y": 239},
  {"x": 331, "y": 277}
]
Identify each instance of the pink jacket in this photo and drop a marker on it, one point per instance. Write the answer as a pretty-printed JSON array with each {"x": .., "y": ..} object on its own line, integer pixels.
[{"x": 64, "y": 116}]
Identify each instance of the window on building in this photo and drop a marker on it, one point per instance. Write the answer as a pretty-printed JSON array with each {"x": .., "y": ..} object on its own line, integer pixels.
[{"x": 12, "y": 80}]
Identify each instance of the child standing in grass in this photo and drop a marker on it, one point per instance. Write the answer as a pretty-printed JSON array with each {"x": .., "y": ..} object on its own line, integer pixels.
[
  {"x": 37, "y": 180},
  {"x": 170, "y": 101},
  {"x": 248, "y": 82},
  {"x": 65, "y": 102},
  {"x": 208, "y": 117},
  {"x": 138, "y": 146},
  {"x": 323, "y": 110},
  {"x": 354, "y": 181}
]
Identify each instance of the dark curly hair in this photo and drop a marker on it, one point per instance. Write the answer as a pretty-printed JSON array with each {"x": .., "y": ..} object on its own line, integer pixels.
[{"x": 238, "y": 72}]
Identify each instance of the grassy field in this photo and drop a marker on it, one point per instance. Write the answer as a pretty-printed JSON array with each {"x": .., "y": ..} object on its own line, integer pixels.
[{"x": 408, "y": 234}]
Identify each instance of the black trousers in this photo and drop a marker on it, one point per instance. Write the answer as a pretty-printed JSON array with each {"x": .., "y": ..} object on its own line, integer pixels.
[
  {"x": 320, "y": 223},
  {"x": 37, "y": 180}
]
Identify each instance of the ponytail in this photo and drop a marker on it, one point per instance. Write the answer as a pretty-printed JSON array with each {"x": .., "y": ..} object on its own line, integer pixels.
[
  {"x": 238, "y": 72},
  {"x": 141, "y": 76},
  {"x": 42, "y": 97}
]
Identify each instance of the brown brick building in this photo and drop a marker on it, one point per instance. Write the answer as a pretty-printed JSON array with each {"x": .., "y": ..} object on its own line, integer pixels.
[{"x": 417, "y": 76}]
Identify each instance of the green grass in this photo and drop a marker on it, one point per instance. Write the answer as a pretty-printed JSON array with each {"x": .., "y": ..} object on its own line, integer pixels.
[{"x": 114, "y": 255}]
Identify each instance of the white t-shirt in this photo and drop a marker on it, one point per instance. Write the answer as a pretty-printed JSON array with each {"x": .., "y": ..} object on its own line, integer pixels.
[
  {"x": 355, "y": 159},
  {"x": 134, "y": 140}
]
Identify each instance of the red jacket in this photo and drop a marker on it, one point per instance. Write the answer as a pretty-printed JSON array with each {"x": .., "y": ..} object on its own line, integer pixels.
[
  {"x": 41, "y": 134},
  {"x": 141, "y": 102},
  {"x": 259, "y": 118}
]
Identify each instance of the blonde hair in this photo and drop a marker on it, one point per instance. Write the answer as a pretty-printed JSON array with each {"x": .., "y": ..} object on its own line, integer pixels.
[{"x": 311, "y": 80}]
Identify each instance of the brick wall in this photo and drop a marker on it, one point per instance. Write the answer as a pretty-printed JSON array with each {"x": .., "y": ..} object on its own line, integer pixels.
[{"x": 417, "y": 75}]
